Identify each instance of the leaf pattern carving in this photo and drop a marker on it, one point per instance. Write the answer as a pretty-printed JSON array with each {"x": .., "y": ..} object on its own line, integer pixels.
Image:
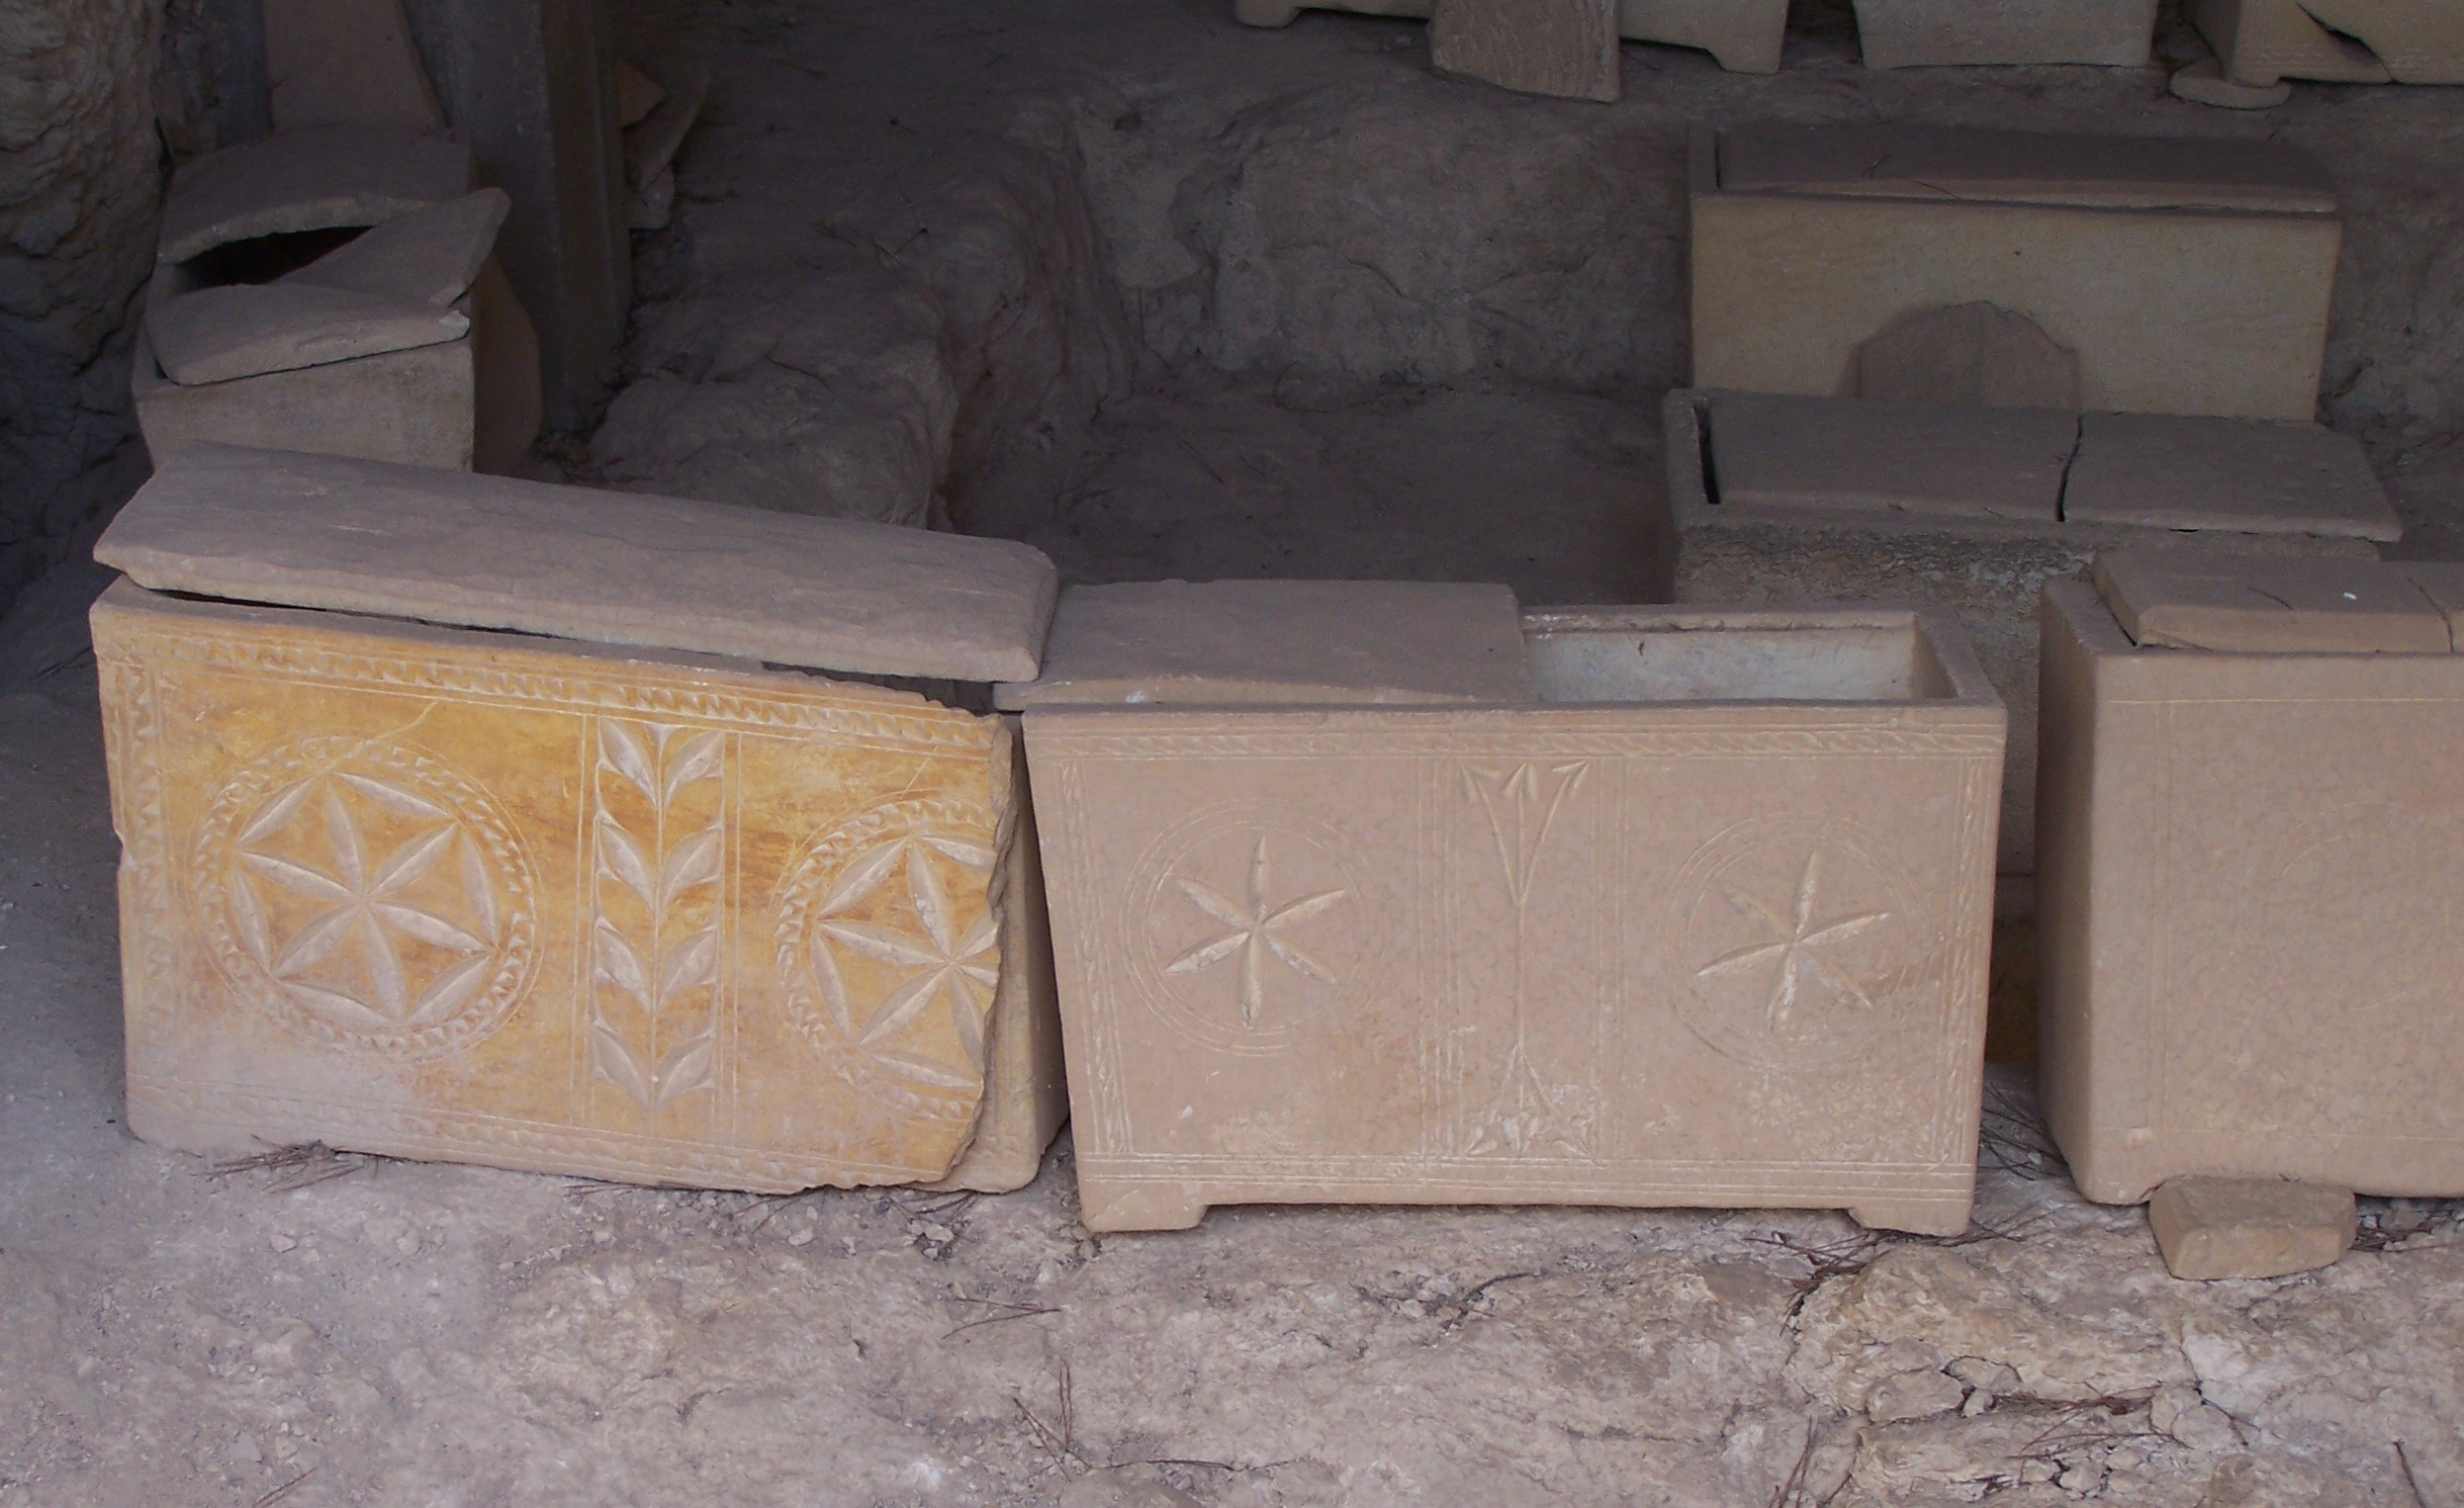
[{"x": 659, "y": 840}]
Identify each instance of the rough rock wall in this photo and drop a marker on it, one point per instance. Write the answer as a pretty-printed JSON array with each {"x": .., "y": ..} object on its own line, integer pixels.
[{"x": 80, "y": 183}]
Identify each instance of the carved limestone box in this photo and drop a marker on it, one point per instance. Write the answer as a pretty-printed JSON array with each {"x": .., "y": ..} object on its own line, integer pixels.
[
  {"x": 2185, "y": 276},
  {"x": 573, "y": 875},
  {"x": 1392, "y": 894},
  {"x": 2253, "y": 875}
]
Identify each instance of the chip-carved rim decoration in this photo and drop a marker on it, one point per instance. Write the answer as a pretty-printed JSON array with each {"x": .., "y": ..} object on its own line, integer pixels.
[
  {"x": 796, "y": 937},
  {"x": 514, "y": 956}
]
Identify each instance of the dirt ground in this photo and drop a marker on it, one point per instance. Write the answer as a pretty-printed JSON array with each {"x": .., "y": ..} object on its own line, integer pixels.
[{"x": 1166, "y": 296}]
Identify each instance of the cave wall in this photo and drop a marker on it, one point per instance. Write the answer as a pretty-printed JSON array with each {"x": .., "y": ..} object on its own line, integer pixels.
[{"x": 81, "y": 186}]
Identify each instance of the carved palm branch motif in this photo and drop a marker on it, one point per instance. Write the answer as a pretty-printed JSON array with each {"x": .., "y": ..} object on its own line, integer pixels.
[{"x": 659, "y": 841}]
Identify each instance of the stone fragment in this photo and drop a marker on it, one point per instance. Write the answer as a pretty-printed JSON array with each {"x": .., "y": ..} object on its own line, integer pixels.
[
  {"x": 1362, "y": 953},
  {"x": 2204, "y": 83},
  {"x": 1356, "y": 643},
  {"x": 2420, "y": 41},
  {"x": 617, "y": 913},
  {"x": 1902, "y": 33},
  {"x": 1995, "y": 1379},
  {"x": 2262, "y": 42},
  {"x": 414, "y": 407},
  {"x": 613, "y": 567},
  {"x": 1972, "y": 355},
  {"x": 242, "y": 329},
  {"x": 2178, "y": 1412},
  {"x": 309, "y": 180},
  {"x": 2250, "y": 1228},
  {"x": 334, "y": 62},
  {"x": 1563, "y": 47},
  {"x": 1745, "y": 35},
  {"x": 2249, "y": 868},
  {"x": 1914, "y": 1395},
  {"x": 637, "y": 94},
  {"x": 2171, "y": 472},
  {"x": 2189, "y": 276},
  {"x": 431, "y": 255},
  {"x": 651, "y": 147},
  {"x": 2195, "y": 600},
  {"x": 1824, "y": 454},
  {"x": 1986, "y": 570}
]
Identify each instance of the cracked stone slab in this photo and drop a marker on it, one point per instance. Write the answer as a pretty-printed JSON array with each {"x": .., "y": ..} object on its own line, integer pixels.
[
  {"x": 1799, "y": 453},
  {"x": 614, "y": 568},
  {"x": 316, "y": 179},
  {"x": 2197, "y": 601},
  {"x": 431, "y": 255},
  {"x": 243, "y": 330},
  {"x": 2249, "y": 476}
]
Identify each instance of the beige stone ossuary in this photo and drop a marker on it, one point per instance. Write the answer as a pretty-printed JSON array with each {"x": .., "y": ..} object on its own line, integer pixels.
[
  {"x": 1696, "y": 916},
  {"x": 2188, "y": 275},
  {"x": 657, "y": 912},
  {"x": 2251, "y": 862},
  {"x": 1901, "y": 34}
]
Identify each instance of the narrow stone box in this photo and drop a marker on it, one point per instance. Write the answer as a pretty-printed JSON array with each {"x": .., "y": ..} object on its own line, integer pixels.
[
  {"x": 2252, "y": 865},
  {"x": 2185, "y": 276},
  {"x": 1696, "y": 916},
  {"x": 1969, "y": 512},
  {"x": 607, "y": 895}
]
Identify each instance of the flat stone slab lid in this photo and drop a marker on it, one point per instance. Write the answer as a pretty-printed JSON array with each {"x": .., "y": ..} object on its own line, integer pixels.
[
  {"x": 431, "y": 255},
  {"x": 316, "y": 179},
  {"x": 2270, "y": 605},
  {"x": 1262, "y": 643},
  {"x": 610, "y": 568},
  {"x": 2249, "y": 476},
  {"x": 242, "y": 329},
  {"x": 1947, "y": 162},
  {"x": 1849, "y": 454}
]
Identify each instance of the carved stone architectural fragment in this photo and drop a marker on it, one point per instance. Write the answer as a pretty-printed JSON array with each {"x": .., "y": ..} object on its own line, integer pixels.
[
  {"x": 2252, "y": 858},
  {"x": 1700, "y": 918}
]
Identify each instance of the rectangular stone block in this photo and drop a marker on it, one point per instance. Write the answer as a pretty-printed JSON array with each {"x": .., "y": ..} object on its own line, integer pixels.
[
  {"x": 2249, "y": 872},
  {"x": 1881, "y": 513},
  {"x": 1903, "y": 34},
  {"x": 2250, "y": 1228},
  {"x": 1563, "y": 47},
  {"x": 2188, "y": 277},
  {"x": 633, "y": 915},
  {"x": 1699, "y": 921},
  {"x": 1746, "y": 36}
]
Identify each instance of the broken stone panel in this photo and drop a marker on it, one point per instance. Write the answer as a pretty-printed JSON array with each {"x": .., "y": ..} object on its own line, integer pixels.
[
  {"x": 316, "y": 179},
  {"x": 1969, "y": 355},
  {"x": 1563, "y": 47},
  {"x": 1699, "y": 920},
  {"x": 2250, "y": 867},
  {"x": 1902, "y": 33},
  {"x": 2262, "y": 42},
  {"x": 1745, "y": 35},
  {"x": 1959, "y": 510},
  {"x": 243, "y": 330},
  {"x": 430, "y": 255},
  {"x": 2188, "y": 599},
  {"x": 2188, "y": 277},
  {"x": 2250, "y": 1228},
  {"x": 629, "y": 913},
  {"x": 2168, "y": 472},
  {"x": 345, "y": 62}
]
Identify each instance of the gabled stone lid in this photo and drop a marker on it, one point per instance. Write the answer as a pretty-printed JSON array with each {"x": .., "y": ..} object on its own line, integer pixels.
[
  {"x": 2270, "y": 604},
  {"x": 1262, "y": 643},
  {"x": 2248, "y": 475},
  {"x": 611, "y": 568},
  {"x": 1825, "y": 453},
  {"x": 318, "y": 179},
  {"x": 1948, "y": 162}
]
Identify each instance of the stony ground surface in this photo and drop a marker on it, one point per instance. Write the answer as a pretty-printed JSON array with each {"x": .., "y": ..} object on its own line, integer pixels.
[{"x": 1169, "y": 297}]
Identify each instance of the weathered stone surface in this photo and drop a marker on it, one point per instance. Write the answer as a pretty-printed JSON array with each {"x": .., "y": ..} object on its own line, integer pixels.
[
  {"x": 506, "y": 404},
  {"x": 414, "y": 407},
  {"x": 2249, "y": 1228},
  {"x": 1902, "y": 33},
  {"x": 1744, "y": 35},
  {"x": 2191, "y": 599},
  {"x": 1372, "y": 643},
  {"x": 336, "y": 63},
  {"x": 2420, "y": 41},
  {"x": 461, "y": 896},
  {"x": 1827, "y": 455},
  {"x": 2271, "y": 997},
  {"x": 242, "y": 329},
  {"x": 1391, "y": 954},
  {"x": 1968, "y": 354},
  {"x": 1808, "y": 241},
  {"x": 2262, "y": 42},
  {"x": 1919, "y": 1394},
  {"x": 1987, "y": 572},
  {"x": 309, "y": 180},
  {"x": 2204, "y": 83},
  {"x": 1565, "y": 48},
  {"x": 430, "y": 255},
  {"x": 2171, "y": 472},
  {"x": 609, "y": 567}
]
